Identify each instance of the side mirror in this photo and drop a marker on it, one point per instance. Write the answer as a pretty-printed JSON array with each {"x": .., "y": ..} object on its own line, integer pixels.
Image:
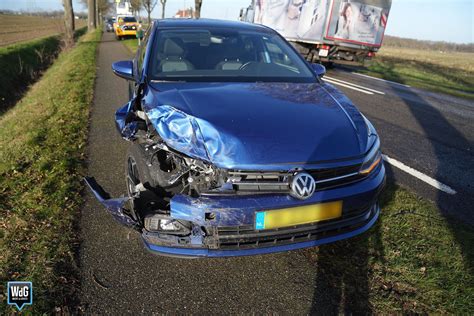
[
  {"x": 319, "y": 70},
  {"x": 123, "y": 69}
]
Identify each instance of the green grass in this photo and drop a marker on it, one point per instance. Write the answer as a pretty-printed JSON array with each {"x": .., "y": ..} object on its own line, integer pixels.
[
  {"x": 412, "y": 261},
  {"x": 131, "y": 44},
  {"x": 22, "y": 64},
  {"x": 42, "y": 145},
  {"x": 450, "y": 73}
]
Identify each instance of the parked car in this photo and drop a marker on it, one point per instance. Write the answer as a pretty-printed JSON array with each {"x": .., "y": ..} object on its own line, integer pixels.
[
  {"x": 125, "y": 26},
  {"x": 238, "y": 147},
  {"x": 109, "y": 24}
]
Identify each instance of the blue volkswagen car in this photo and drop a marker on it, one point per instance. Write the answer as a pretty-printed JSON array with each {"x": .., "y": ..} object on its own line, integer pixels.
[{"x": 237, "y": 147}]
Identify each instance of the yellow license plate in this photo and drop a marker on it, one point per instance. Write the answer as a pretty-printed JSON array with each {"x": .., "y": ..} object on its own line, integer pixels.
[{"x": 298, "y": 215}]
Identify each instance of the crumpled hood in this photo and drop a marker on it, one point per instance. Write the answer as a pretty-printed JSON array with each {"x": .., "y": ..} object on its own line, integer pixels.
[{"x": 257, "y": 125}]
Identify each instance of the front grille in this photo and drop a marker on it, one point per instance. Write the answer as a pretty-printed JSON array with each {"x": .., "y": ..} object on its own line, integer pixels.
[
  {"x": 246, "y": 237},
  {"x": 279, "y": 182}
]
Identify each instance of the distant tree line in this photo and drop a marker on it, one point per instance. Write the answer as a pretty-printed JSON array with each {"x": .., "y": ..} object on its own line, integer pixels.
[
  {"x": 102, "y": 7},
  {"x": 400, "y": 42},
  {"x": 50, "y": 13}
]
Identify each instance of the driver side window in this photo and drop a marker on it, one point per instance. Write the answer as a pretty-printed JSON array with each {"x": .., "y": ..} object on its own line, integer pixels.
[
  {"x": 276, "y": 55},
  {"x": 141, "y": 51}
]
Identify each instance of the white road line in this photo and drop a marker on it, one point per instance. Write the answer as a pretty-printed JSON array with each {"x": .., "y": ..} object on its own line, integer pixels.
[
  {"x": 375, "y": 78},
  {"x": 347, "y": 86},
  {"x": 356, "y": 85},
  {"x": 423, "y": 177}
]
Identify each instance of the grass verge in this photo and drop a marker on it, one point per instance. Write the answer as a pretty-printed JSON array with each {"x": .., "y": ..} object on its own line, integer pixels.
[
  {"x": 411, "y": 261},
  {"x": 450, "y": 73},
  {"x": 23, "y": 63},
  {"x": 131, "y": 44},
  {"x": 42, "y": 143}
]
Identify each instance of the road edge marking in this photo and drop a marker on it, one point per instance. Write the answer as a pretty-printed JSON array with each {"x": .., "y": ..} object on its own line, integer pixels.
[
  {"x": 421, "y": 176},
  {"x": 347, "y": 86},
  {"x": 356, "y": 85},
  {"x": 384, "y": 80}
]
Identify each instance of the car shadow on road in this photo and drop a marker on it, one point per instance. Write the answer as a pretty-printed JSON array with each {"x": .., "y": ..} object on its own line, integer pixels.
[
  {"x": 343, "y": 269},
  {"x": 445, "y": 137}
]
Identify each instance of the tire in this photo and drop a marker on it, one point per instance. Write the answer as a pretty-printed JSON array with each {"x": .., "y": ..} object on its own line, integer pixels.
[
  {"x": 137, "y": 172},
  {"x": 328, "y": 64}
]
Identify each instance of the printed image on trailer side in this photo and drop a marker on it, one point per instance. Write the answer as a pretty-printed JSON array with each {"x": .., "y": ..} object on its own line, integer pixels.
[{"x": 353, "y": 22}]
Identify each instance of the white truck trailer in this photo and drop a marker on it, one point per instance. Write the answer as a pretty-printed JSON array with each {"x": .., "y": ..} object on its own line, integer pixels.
[{"x": 341, "y": 31}]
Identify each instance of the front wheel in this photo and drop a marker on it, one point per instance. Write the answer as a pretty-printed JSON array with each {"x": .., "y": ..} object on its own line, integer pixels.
[
  {"x": 137, "y": 177},
  {"x": 146, "y": 195}
]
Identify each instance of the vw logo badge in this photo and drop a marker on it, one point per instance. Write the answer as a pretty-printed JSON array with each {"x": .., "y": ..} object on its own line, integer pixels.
[{"x": 303, "y": 186}]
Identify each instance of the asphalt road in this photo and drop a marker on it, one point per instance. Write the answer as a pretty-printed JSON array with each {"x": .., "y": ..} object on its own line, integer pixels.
[
  {"x": 429, "y": 132},
  {"x": 119, "y": 276}
]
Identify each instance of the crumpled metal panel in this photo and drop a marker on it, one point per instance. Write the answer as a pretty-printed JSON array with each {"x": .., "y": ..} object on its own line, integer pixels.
[
  {"x": 263, "y": 126},
  {"x": 126, "y": 129},
  {"x": 193, "y": 136},
  {"x": 113, "y": 206},
  {"x": 179, "y": 130}
]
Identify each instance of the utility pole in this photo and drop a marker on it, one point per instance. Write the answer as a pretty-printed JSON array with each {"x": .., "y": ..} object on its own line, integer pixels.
[
  {"x": 91, "y": 22},
  {"x": 69, "y": 23}
]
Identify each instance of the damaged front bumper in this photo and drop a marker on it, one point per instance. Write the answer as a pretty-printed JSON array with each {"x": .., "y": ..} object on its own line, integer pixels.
[{"x": 223, "y": 226}]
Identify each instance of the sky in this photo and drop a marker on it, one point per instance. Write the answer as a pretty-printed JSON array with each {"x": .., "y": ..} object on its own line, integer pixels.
[{"x": 437, "y": 20}]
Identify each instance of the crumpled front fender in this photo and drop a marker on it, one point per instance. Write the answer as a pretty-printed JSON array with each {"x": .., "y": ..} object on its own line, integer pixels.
[
  {"x": 179, "y": 130},
  {"x": 126, "y": 127},
  {"x": 195, "y": 137},
  {"x": 113, "y": 206}
]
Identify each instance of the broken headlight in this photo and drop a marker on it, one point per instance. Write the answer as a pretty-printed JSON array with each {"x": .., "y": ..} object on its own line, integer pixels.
[{"x": 159, "y": 223}]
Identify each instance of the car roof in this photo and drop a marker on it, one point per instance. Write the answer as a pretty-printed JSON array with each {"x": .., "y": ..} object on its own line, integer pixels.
[{"x": 195, "y": 23}]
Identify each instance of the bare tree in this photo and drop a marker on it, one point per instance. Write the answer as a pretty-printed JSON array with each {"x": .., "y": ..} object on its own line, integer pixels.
[
  {"x": 101, "y": 7},
  {"x": 91, "y": 23},
  {"x": 149, "y": 5},
  {"x": 197, "y": 8},
  {"x": 163, "y": 4},
  {"x": 136, "y": 6},
  {"x": 69, "y": 23}
]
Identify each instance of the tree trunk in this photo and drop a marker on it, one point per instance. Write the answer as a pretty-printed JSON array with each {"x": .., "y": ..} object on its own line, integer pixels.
[
  {"x": 163, "y": 5},
  {"x": 69, "y": 23},
  {"x": 97, "y": 21},
  {"x": 91, "y": 25},
  {"x": 149, "y": 17},
  {"x": 197, "y": 8}
]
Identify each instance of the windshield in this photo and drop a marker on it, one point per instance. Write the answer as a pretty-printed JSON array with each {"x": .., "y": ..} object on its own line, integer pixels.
[
  {"x": 225, "y": 55},
  {"x": 129, "y": 19}
]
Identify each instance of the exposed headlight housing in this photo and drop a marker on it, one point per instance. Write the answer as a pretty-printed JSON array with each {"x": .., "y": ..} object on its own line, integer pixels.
[
  {"x": 164, "y": 224},
  {"x": 372, "y": 159}
]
